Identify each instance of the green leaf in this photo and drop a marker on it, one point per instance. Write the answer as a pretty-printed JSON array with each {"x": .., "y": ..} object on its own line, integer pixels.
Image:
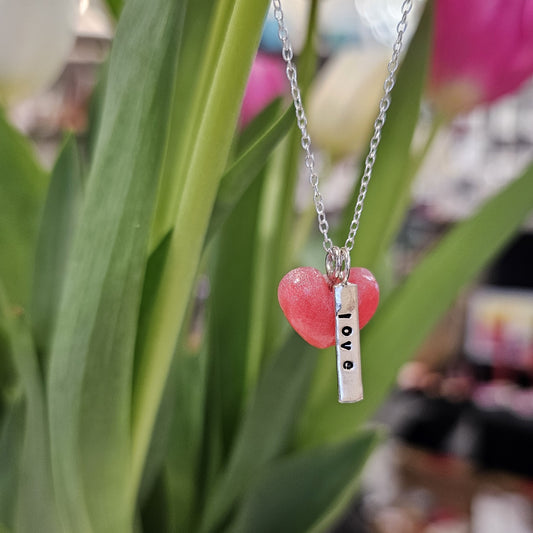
[
  {"x": 307, "y": 491},
  {"x": 231, "y": 48},
  {"x": 183, "y": 462},
  {"x": 8, "y": 374},
  {"x": 23, "y": 183},
  {"x": 245, "y": 282},
  {"x": 95, "y": 108},
  {"x": 197, "y": 31},
  {"x": 159, "y": 441},
  {"x": 268, "y": 253},
  {"x": 155, "y": 511},
  {"x": 53, "y": 242},
  {"x": 35, "y": 508},
  {"x": 263, "y": 435},
  {"x": 115, "y": 7},
  {"x": 90, "y": 384},
  {"x": 409, "y": 314},
  {"x": 12, "y": 419},
  {"x": 176, "y": 442},
  {"x": 258, "y": 126},
  {"x": 11, "y": 443},
  {"x": 248, "y": 165},
  {"x": 233, "y": 290},
  {"x": 230, "y": 303},
  {"x": 389, "y": 191}
]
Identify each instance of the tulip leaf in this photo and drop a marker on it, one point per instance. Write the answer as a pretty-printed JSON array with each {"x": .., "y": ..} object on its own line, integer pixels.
[
  {"x": 281, "y": 390},
  {"x": 115, "y": 7},
  {"x": 256, "y": 128},
  {"x": 176, "y": 444},
  {"x": 389, "y": 191},
  {"x": 248, "y": 166},
  {"x": 185, "y": 105},
  {"x": 183, "y": 462},
  {"x": 412, "y": 310},
  {"x": 306, "y": 492},
  {"x": 35, "y": 508},
  {"x": 53, "y": 242},
  {"x": 11, "y": 442},
  {"x": 9, "y": 378},
  {"x": 8, "y": 373},
  {"x": 92, "y": 357},
  {"x": 234, "y": 290},
  {"x": 230, "y": 51},
  {"x": 95, "y": 110},
  {"x": 229, "y": 315},
  {"x": 23, "y": 183},
  {"x": 269, "y": 252},
  {"x": 158, "y": 444}
]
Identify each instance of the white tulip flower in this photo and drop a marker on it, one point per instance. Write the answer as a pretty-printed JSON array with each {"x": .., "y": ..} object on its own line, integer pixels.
[
  {"x": 36, "y": 37},
  {"x": 344, "y": 98}
]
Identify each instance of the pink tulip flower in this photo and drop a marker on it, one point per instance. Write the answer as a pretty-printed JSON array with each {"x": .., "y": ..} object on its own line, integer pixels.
[
  {"x": 266, "y": 82},
  {"x": 483, "y": 49}
]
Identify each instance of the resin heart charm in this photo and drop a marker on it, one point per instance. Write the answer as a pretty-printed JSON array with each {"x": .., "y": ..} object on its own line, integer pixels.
[{"x": 307, "y": 300}]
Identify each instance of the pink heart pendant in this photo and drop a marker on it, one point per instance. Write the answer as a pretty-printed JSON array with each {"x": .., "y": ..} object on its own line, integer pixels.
[{"x": 306, "y": 298}]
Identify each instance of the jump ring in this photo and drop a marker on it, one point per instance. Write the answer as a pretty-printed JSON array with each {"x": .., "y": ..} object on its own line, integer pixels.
[{"x": 337, "y": 265}]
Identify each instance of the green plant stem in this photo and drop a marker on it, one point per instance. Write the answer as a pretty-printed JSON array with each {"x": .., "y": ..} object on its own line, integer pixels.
[{"x": 235, "y": 49}]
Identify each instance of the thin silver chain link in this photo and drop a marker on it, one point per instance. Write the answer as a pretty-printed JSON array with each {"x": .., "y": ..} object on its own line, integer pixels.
[{"x": 292, "y": 76}]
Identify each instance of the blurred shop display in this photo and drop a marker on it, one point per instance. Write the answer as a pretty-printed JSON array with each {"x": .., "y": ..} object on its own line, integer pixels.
[
  {"x": 476, "y": 156},
  {"x": 461, "y": 419},
  {"x": 409, "y": 490}
]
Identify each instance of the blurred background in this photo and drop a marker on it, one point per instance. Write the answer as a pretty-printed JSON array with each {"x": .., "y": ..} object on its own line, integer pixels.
[{"x": 461, "y": 417}]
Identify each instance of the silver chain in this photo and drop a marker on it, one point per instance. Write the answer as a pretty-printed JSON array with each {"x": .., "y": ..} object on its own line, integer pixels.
[{"x": 292, "y": 76}]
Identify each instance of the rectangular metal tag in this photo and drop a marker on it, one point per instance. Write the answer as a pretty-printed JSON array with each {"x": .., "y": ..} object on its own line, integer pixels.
[{"x": 347, "y": 344}]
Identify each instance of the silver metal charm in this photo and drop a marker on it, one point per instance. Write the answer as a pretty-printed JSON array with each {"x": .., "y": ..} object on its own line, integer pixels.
[{"x": 347, "y": 343}]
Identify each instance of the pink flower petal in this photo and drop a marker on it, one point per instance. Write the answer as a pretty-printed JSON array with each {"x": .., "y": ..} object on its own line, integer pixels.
[
  {"x": 267, "y": 81},
  {"x": 483, "y": 49}
]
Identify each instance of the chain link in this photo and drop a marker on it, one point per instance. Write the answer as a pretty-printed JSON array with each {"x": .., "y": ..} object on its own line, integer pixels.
[{"x": 384, "y": 104}]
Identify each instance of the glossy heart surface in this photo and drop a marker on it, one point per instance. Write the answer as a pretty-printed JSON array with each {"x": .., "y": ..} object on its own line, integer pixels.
[{"x": 308, "y": 302}]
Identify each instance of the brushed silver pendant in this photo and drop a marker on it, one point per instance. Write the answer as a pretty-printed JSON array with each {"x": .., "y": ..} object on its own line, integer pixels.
[{"x": 347, "y": 343}]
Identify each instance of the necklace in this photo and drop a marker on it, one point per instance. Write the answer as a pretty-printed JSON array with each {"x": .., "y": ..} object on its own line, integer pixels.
[{"x": 329, "y": 310}]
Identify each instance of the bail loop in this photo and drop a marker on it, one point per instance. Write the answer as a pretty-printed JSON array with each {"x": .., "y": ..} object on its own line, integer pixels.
[{"x": 337, "y": 265}]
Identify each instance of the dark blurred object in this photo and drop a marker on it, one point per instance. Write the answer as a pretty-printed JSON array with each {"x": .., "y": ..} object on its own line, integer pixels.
[
  {"x": 491, "y": 440},
  {"x": 514, "y": 268},
  {"x": 353, "y": 521}
]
